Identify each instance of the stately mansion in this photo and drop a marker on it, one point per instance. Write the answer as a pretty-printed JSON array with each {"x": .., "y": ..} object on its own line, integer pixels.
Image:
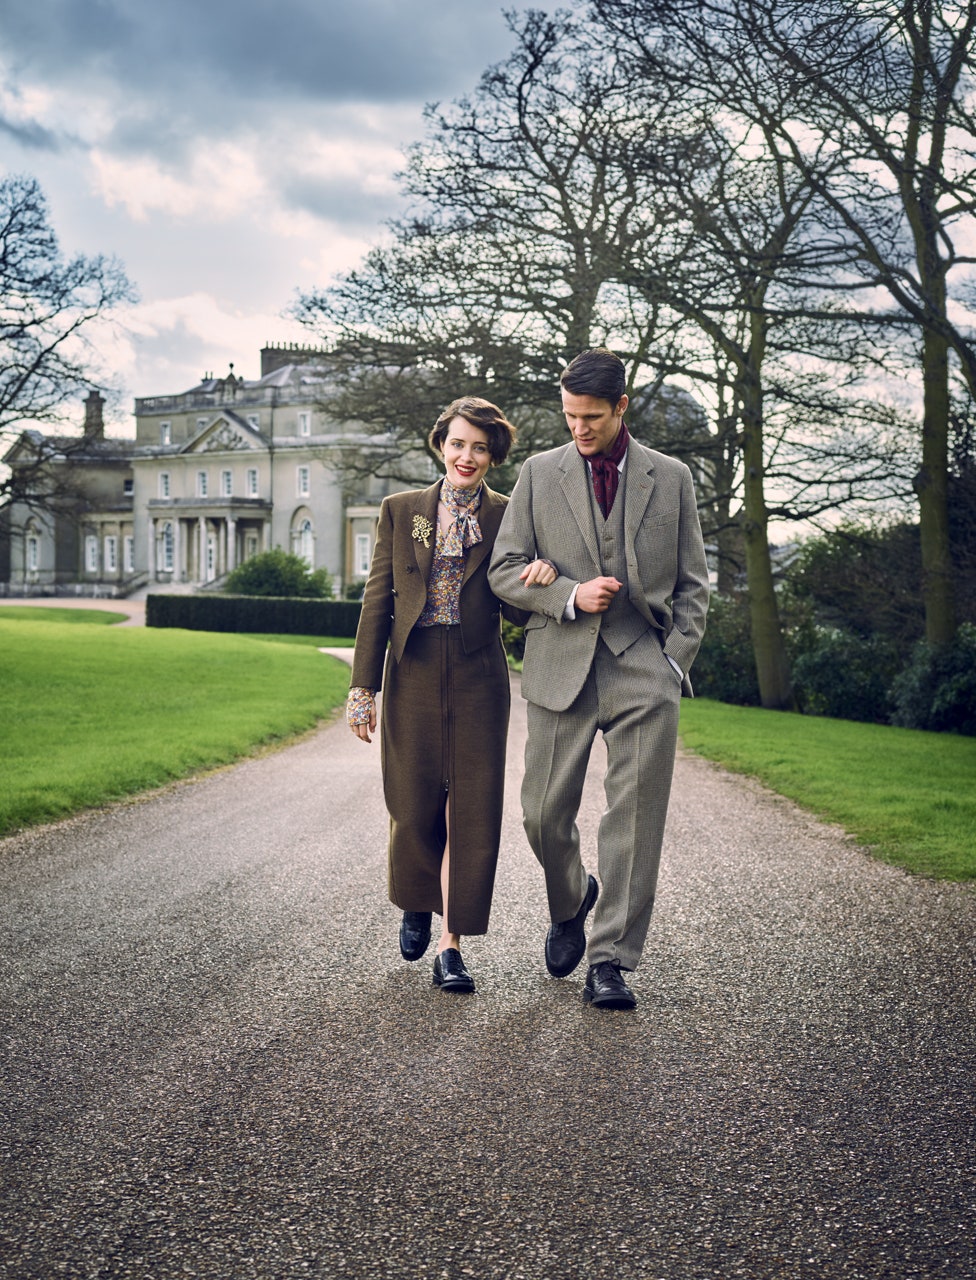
[{"x": 214, "y": 475}]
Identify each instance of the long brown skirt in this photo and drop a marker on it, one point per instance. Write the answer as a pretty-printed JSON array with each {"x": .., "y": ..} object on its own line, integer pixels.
[{"x": 444, "y": 723}]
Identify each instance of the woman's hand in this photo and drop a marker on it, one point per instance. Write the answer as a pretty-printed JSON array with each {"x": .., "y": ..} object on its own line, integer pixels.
[
  {"x": 361, "y": 713},
  {"x": 362, "y": 731},
  {"x": 540, "y": 573}
]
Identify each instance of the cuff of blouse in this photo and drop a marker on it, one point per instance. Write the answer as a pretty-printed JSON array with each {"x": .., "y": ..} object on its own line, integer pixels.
[{"x": 360, "y": 705}]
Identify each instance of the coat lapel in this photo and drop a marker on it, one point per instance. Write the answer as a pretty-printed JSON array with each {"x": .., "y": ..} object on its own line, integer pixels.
[
  {"x": 638, "y": 487},
  {"x": 424, "y": 526},
  {"x": 576, "y": 488}
]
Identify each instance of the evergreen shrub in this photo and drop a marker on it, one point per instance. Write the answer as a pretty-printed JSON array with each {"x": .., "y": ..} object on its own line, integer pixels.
[
  {"x": 513, "y": 638},
  {"x": 847, "y": 676},
  {"x": 937, "y": 690},
  {"x": 279, "y": 573},
  {"x": 725, "y": 668}
]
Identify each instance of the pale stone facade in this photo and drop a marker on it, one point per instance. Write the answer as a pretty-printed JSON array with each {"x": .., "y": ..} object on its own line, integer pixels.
[
  {"x": 79, "y": 534},
  {"x": 214, "y": 475}
]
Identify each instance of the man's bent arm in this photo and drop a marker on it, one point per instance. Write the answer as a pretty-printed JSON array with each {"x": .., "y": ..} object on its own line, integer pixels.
[{"x": 515, "y": 547}]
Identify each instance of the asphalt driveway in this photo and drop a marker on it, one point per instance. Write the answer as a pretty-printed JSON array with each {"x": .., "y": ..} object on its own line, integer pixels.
[{"x": 215, "y": 1063}]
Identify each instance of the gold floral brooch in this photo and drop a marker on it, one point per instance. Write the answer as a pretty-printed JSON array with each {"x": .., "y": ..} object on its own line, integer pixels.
[{"x": 422, "y": 529}]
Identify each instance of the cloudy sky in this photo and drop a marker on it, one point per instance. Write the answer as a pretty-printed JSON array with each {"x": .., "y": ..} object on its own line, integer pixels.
[{"x": 228, "y": 154}]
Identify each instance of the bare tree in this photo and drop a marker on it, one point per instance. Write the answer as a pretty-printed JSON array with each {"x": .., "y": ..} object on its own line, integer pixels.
[
  {"x": 887, "y": 88},
  {"x": 915, "y": 127},
  {"x": 50, "y": 310},
  {"x": 748, "y": 253},
  {"x": 570, "y": 202},
  {"x": 524, "y": 210}
]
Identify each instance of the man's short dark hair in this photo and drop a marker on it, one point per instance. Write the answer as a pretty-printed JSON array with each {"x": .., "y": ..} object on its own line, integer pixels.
[{"x": 597, "y": 372}]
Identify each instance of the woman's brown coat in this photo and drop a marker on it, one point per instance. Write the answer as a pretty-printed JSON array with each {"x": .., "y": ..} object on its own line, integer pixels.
[{"x": 444, "y": 720}]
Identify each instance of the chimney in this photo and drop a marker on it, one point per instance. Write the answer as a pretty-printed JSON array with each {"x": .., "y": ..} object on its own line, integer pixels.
[
  {"x": 275, "y": 355},
  {"x": 94, "y": 425}
]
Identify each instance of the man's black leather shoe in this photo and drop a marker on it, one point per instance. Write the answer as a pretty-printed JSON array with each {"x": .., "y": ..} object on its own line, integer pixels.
[
  {"x": 450, "y": 973},
  {"x": 566, "y": 942},
  {"x": 414, "y": 934},
  {"x": 605, "y": 987}
]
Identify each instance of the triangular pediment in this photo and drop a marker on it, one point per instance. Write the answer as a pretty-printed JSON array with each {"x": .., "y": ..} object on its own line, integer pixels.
[
  {"x": 225, "y": 433},
  {"x": 30, "y": 447}
]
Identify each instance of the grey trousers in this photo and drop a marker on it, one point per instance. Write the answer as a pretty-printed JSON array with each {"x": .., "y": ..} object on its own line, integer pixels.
[{"x": 633, "y": 699}]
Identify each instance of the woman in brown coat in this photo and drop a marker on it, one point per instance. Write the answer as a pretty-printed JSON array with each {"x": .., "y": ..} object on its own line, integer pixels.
[{"x": 445, "y": 687}]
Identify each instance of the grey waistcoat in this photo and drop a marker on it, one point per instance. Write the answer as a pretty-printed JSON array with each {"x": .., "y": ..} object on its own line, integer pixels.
[{"x": 621, "y": 624}]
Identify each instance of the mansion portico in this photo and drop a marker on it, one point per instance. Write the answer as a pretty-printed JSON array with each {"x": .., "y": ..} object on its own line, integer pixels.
[
  {"x": 209, "y": 506},
  {"x": 215, "y": 474}
]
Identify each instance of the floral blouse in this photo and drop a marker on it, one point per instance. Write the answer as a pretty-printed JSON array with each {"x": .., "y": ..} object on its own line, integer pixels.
[{"x": 443, "y": 608}]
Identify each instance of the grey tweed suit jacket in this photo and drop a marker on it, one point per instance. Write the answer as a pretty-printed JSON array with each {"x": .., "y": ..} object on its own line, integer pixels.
[{"x": 550, "y": 515}]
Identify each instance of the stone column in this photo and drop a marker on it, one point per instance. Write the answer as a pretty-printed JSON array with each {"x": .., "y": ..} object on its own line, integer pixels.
[
  {"x": 151, "y": 550},
  {"x": 178, "y": 550},
  {"x": 201, "y": 549},
  {"x": 231, "y": 544}
]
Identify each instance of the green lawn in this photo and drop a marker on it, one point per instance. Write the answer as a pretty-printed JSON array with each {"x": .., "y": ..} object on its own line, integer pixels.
[
  {"x": 341, "y": 642},
  {"x": 911, "y": 796},
  {"x": 41, "y": 613},
  {"x": 93, "y": 713}
]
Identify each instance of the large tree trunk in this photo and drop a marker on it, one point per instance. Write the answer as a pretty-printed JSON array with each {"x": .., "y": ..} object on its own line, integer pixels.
[
  {"x": 728, "y": 544},
  {"x": 726, "y": 539},
  {"x": 727, "y": 549},
  {"x": 772, "y": 665},
  {"x": 931, "y": 485}
]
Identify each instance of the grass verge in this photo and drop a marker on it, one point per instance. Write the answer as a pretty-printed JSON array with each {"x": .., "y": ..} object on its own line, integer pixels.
[
  {"x": 39, "y": 613},
  {"x": 317, "y": 642},
  {"x": 909, "y": 795},
  {"x": 95, "y": 713}
]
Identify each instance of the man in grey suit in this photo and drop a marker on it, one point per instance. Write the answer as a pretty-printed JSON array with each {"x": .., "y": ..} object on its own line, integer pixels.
[{"x": 608, "y": 648}]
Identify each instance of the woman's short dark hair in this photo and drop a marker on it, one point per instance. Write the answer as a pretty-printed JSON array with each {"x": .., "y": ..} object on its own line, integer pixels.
[
  {"x": 597, "y": 372},
  {"x": 484, "y": 415}
]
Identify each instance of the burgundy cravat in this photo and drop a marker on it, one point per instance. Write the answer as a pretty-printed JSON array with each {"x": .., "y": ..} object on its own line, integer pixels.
[{"x": 606, "y": 475}]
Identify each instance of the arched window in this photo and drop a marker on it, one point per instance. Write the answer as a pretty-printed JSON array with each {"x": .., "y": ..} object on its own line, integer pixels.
[{"x": 305, "y": 543}]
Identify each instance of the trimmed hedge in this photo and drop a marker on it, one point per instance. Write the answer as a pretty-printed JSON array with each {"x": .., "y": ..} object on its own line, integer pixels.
[{"x": 269, "y": 615}]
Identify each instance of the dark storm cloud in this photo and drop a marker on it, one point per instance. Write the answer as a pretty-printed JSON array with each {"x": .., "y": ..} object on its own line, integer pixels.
[
  {"x": 347, "y": 206},
  {"x": 227, "y": 153},
  {"x": 325, "y": 51},
  {"x": 33, "y": 136}
]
